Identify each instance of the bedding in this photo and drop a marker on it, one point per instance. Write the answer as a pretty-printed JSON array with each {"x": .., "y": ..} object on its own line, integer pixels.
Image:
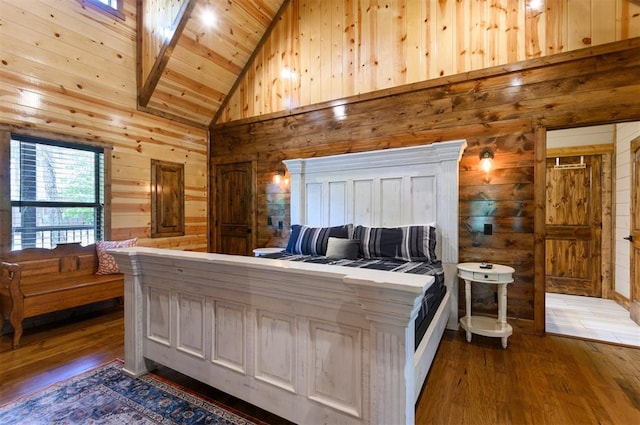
[
  {"x": 418, "y": 243},
  {"x": 314, "y": 240},
  {"x": 403, "y": 249},
  {"x": 378, "y": 242},
  {"x": 431, "y": 299},
  {"x": 409, "y": 243}
]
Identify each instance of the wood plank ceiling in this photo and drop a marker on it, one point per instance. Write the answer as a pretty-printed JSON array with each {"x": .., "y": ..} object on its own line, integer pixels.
[{"x": 187, "y": 67}]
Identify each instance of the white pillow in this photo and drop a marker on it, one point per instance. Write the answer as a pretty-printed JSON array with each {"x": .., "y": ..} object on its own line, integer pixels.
[{"x": 339, "y": 249}]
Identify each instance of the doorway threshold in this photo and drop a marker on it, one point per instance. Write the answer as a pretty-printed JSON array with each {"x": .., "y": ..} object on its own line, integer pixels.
[{"x": 590, "y": 318}]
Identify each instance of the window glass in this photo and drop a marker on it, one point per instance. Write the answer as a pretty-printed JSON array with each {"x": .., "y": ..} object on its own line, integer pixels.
[
  {"x": 57, "y": 193},
  {"x": 111, "y": 3},
  {"x": 114, "y": 7}
]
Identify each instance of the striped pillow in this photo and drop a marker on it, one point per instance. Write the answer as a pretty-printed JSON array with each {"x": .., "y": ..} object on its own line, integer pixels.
[
  {"x": 418, "y": 243},
  {"x": 313, "y": 240},
  {"x": 378, "y": 242}
]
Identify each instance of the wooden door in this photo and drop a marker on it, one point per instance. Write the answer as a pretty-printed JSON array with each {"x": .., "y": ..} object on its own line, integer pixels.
[
  {"x": 573, "y": 226},
  {"x": 234, "y": 208},
  {"x": 635, "y": 231}
]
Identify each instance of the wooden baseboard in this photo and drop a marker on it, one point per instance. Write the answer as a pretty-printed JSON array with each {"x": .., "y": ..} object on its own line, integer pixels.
[
  {"x": 622, "y": 300},
  {"x": 635, "y": 311}
]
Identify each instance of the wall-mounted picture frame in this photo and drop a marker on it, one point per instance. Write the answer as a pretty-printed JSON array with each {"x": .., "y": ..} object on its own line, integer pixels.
[{"x": 167, "y": 199}]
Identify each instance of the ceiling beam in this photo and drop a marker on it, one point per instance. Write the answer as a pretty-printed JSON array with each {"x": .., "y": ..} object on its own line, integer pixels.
[{"x": 145, "y": 93}]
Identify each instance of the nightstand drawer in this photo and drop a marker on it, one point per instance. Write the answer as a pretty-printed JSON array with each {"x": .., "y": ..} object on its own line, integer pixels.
[
  {"x": 489, "y": 277},
  {"x": 498, "y": 274},
  {"x": 492, "y": 277}
]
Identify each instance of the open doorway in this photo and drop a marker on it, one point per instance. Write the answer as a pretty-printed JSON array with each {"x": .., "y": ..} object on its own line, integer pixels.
[
  {"x": 587, "y": 208},
  {"x": 634, "y": 234}
]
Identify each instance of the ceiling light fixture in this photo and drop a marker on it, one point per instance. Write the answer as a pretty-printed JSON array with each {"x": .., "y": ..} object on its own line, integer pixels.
[
  {"x": 30, "y": 98},
  {"x": 208, "y": 17},
  {"x": 534, "y": 4},
  {"x": 289, "y": 74}
]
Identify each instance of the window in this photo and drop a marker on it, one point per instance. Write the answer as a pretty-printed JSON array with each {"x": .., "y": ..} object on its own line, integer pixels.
[
  {"x": 111, "y": 3},
  {"x": 111, "y": 6},
  {"x": 57, "y": 193}
]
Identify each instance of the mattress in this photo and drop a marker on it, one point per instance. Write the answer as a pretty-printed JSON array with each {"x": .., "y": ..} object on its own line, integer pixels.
[{"x": 433, "y": 295}]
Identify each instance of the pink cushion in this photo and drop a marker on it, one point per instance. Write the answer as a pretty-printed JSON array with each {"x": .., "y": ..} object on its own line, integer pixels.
[{"x": 106, "y": 263}]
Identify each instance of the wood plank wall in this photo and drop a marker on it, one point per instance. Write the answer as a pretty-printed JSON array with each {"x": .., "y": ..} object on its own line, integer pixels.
[
  {"x": 331, "y": 49},
  {"x": 70, "y": 69},
  {"x": 503, "y": 108}
]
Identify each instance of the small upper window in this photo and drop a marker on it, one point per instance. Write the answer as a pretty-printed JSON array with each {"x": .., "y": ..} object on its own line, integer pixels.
[
  {"x": 112, "y": 6},
  {"x": 112, "y": 3}
]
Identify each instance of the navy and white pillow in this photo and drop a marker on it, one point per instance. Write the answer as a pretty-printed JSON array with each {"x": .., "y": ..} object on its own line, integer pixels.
[
  {"x": 378, "y": 242},
  {"x": 308, "y": 240},
  {"x": 408, "y": 243},
  {"x": 418, "y": 243}
]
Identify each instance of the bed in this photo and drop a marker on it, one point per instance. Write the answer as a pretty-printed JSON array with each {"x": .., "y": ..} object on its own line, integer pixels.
[
  {"x": 309, "y": 341},
  {"x": 435, "y": 292}
]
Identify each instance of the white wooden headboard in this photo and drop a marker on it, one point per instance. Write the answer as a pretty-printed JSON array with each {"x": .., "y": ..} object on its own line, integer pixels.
[{"x": 389, "y": 187}]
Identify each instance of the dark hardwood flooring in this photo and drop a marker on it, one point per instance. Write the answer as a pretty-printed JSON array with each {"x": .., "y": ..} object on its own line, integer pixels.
[{"x": 536, "y": 380}]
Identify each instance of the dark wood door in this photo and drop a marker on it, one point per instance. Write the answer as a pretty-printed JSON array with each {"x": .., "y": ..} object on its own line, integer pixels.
[
  {"x": 234, "y": 208},
  {"x": 635, "y": 231},
  {"x": 573, "y": 227}
]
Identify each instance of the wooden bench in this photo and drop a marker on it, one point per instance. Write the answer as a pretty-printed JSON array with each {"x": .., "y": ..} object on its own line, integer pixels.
[{"x": 36, "y": 281}]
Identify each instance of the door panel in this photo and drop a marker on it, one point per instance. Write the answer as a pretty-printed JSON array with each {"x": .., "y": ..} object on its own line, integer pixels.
[
  {"x": 573, "y": 227},
  {"x": 635, "y": 231},
  {"x": 234, "y": 208}
]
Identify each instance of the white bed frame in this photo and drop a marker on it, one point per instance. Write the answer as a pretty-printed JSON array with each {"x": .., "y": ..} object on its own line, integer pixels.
[
  {"x": 385, "y": 188},
  {"x": 315, "y": 344}
]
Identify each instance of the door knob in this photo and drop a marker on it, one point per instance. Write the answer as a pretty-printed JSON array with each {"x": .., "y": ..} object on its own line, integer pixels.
[{"x": 629, "y": 238}]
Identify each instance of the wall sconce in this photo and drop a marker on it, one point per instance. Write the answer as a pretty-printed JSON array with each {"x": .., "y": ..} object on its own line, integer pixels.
[
  {"x": 486, "y": 157},
  {"x": 279, "y": 177}
]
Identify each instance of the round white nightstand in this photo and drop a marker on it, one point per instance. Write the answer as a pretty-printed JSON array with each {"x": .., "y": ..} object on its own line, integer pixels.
[
  {"x": 258, "y": 252},
  {"x": 487, "y": 326}
]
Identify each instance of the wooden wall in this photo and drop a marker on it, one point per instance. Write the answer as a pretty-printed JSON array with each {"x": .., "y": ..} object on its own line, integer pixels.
[
  {"x": 330, "y": 49},
  {"x": 70, "y": 69},
  {"x": 504, "y": 108}
]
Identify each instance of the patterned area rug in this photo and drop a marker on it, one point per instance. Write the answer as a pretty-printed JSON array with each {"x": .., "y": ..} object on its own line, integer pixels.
[{"x": 107, "y": 396}]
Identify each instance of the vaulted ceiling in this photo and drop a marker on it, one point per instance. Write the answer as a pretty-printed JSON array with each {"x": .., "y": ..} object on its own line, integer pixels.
[{"x": 193, "y": 53}]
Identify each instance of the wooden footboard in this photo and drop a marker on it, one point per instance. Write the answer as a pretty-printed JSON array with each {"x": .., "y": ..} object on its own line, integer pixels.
[{"x": 311, "y": 343}]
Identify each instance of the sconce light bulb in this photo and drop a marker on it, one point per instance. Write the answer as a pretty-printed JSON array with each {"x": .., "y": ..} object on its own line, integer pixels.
[
  {"x": 276, "y": 179},
  {"x": 486, "y": 156},
  {"x": 486, "y": 164}
]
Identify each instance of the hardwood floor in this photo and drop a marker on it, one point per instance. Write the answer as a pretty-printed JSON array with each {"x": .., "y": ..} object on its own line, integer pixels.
[{"x": 537, "y": 380}]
